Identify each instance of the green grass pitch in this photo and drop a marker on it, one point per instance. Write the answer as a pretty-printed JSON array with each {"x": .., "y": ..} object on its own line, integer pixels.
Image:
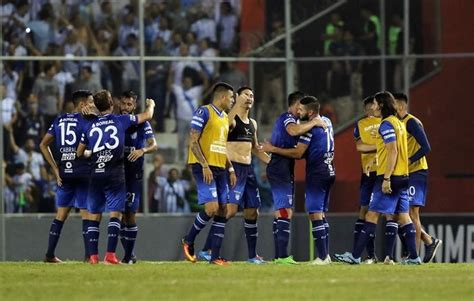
[{"x": 240, "y": 281}]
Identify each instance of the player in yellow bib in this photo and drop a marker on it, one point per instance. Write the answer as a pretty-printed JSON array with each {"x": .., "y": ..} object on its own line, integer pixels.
[
  {"x": 208, "y": 160},
  {"x": 418, "y": 148},
  {"x": 390, "y": 194}
]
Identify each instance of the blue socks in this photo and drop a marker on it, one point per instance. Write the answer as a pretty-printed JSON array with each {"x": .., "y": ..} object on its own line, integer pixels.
[
  {"x": 283, "y": 236},
  {"x": 367, "y": 233},
  {"x": 85, "y": 225},
  {"x": 391, "y": 230},
  {"x": 93, "y": 235},
  {"x": 359, "y": 225},
  {"x": 54, "y": 233},
  {"x": 409, "y": 234},
  {"x": 326, "y": 226},
  {"x": 319, "y": 237},
  {"x": 130, "y": 236},
  {"x": 251, "y": 233},
  {"x": 199, "y": 223},
  {"x": 218, "y": 227},
  {"x": 113, "y": 230},
  {"x": 275, "y": 231}
]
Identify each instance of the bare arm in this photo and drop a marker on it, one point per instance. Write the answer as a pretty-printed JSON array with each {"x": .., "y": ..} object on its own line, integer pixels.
[
  {"x": 264, "y": 157},
  {"x": 13, "y": 144},
  {"x": 296, "y": 152},
  {"x": 194, "y": 136},
  {"x": 299, "y": 129},
  {"x": 149, "y": 110},
  {"x": 46, "y": 151},
  {"x": 81, "y": 149},
  {"x": 391, "y": 158},
  {"x": 364, "y": 147}
]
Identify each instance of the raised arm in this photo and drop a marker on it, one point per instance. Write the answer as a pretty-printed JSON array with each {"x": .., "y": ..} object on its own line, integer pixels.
[
  {"x": 147, "y": 115},
  {"x": 263, "y": 156}
]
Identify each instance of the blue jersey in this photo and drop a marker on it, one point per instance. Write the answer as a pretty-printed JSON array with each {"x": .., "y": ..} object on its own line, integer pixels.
[
  {"x": 66, "y": 130},
  {"x": 105, "y": 137},
  {"x": 280, "y": 137},
  {"x": 320, "y": 153},
  {"x": 135, "y": 138}
]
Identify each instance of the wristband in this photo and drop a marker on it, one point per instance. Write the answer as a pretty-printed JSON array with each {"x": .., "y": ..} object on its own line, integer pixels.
[
  {"x": 386, "y": 179},
  {"x": 231, "y": 169}
]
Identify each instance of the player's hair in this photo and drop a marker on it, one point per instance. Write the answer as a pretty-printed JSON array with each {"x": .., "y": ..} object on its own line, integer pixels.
[
  {"x": 80, "y": 96},
  {"x": 311, "y": 103},
  {"x": 102, "y": 100},
  {"x": 368, "y": 100},
  {"x": 221, "y": 87},
  {"x": 294, "y": 97},
  {"x": 130, "y": 94},
  {"x": 242, "y": 89},
  {"x": 386, "y": 102},
  {"x": 401, "y": 96}
]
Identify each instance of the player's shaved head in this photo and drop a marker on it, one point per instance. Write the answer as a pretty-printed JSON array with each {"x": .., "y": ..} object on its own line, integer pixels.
[
  {"x": 386, "y": 102},
  {"x": 80, "y": 96},
  {"x": 401, "y": 97},
  {"x": 103, "y": 100},
  {"x": 295, "y": 97},
  {"x": 311, "y": 103},
  {"x": 220, "y": 88}
]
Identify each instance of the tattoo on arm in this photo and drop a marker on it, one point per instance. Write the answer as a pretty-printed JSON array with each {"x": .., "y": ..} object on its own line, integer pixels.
[{"x": 194, "y": 136}]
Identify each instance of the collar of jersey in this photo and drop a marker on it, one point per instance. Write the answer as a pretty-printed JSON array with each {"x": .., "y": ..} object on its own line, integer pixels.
[{"x": 217, "y": 110}]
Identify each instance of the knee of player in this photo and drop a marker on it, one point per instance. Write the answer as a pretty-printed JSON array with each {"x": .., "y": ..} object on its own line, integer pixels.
[
  {"x": 211, "y": 209},
  {"x": 371, "y": 217},
  {"x": 251, "y": 214}
]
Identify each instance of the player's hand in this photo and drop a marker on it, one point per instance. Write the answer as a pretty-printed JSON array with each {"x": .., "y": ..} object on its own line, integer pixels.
[
  {"x": 149, "y": 102},
  {"x": 232, "y": 178},
  {"x": 266, "y": 147},
  {"x": 135, "y": 155},
  {"x": 59, "y": 181},
  {"x": 89, "y": 110},
  {"x": 207, "y": 173},
  {"x": 319, "y": 122},
  {"x": 386, "y": 187},
  {"x": 368, "y": 167}
]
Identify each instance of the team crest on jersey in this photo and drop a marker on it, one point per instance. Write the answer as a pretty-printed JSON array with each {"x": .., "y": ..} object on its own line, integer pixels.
[
  {"x": 213, "y": 192},
  {"x": 237, "y": 195},
  {"x": 134, "y": 135},
  {"x": 200, "y": 112}
]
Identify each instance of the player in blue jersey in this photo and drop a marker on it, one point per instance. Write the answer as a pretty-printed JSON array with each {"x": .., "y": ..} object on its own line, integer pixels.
[
  {"x": 317, "y": 147},
  {"x": 280, "y": 173},
  {"x": 241, "y": 144},
  {"x": 105, "y": 138},
  {"x": 72, "y": 173},
  {"x": 390, "y": 195},
  {"x": 139, "y": 140},
  {"x": 418, "y": 148}
]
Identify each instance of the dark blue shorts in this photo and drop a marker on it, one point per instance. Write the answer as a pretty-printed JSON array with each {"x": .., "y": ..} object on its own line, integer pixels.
[
  {"x": 281, "y": 178},
  {"x": 396, "y": 202},
  {"x": 417, "y": 188},
  {"x": 245, "y": 193},
  {"x": 133, "y": 195},
  {"x": 106, "y": 194},
  {"x": 73, "y": 193},
  {"x": 318, "y": 189},
  {"x": 366, "y": 188},
  {"x": 217, "y": 191}
]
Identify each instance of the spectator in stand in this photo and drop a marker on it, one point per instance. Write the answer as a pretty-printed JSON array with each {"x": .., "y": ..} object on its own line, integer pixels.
[
  {"x": 10, "y": 79},
  {"x": 175, "y": 43},
  {"x": 330, "y": 32},
  {"x": 128, "y": 27},
  {"x": 209, "y": 68},
  {"x": 338, "y": 86},
  {"x": 9, "y": 117},
  {"x": 42, "y": 28},
  {"x": 227, "y": 29},
  {"x": 155, "y": 195},
  {"x": 156, "y": 82},
  {"x": 23, "y": 187},
  {"x": 64, "y": 79},
  {"x": 47, "y": 90},
  {"x": 8, "y": 190},
  {"x": 173, "y": 192},
  {"x": 188, "y": 99},
  {"x": 231, "y": 75},
  {"x": 104, "y": 15},
  {"x": 204, "y": 27},
  {"x": 370, "y": 40},
  {"x": 31, "y": 123},
  {"x": 13, "y": 46},
  {"x": 130, "y": 69},
  {"x": 86, "y": 81},
  {"x": 193, "y": 46},
  {"x": 190, "y": 189},
  {"x": 73, "y": 47}
]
